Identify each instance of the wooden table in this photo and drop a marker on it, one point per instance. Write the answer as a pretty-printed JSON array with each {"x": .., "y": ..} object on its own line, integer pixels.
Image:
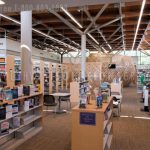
[{"x": 59, "y": 95}]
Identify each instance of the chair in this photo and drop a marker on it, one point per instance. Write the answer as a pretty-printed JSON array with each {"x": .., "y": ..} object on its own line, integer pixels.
[
  {"x": 49, "y": 100},
  {"x": 116, "y": 104},
  {"x": 65, "y": 98},
  {"x": 116, "y": 93}
]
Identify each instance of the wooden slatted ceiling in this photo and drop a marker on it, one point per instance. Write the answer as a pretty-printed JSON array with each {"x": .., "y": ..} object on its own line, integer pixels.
[{"x": 45, "y": 21}]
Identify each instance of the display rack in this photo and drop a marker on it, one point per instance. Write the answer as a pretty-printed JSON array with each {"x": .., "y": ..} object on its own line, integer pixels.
[
  {"x": 140, "y": 70},
  {"x": 23, "y": 121},
  {"x": 17, "y": 71},
  {"x": 78, "y": 89},
  {"x": 59, "y": 78},
  {"x": 36, "y": 71},
  {"x": 92, "y": 128},
  {"x": 53, "y": 79},
  {"x": 46, "y": 78},
  {"x": 10, "y": 66},
  {"x": 3, "y": 70},
  {"x": 64, "y": 77}
]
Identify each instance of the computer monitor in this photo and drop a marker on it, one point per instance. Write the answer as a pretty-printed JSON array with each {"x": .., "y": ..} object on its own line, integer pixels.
[{"x": 112, "y": 66}]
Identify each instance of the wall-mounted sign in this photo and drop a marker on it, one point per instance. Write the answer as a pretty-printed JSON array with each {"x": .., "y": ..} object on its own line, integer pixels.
[
  {"x": 2, "y": 43},
  {"x": 87, "y": 118}
]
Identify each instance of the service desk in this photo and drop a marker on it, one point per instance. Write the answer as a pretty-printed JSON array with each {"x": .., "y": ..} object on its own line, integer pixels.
[{"x": 92, "y": 127}]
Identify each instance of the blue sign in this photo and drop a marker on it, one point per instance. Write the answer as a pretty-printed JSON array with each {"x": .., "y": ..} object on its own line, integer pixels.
[{"x": 87, "y": 118}]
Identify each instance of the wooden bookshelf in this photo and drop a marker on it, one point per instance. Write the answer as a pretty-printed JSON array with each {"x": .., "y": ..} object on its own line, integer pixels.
[
  {"x": 92, "y": 128},
  {"x": 30, "y": 122},
  {"x": 78, "y": 89}
]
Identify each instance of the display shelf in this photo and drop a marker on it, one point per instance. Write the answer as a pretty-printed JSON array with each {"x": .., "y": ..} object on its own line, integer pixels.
[
  {"x": 17, "y": 70},
  {"x": 21, "y": 112},
  {"x": 109, "y": 142},
  {"x": 27, "y": 135},
  {"x": 140, "y": 70},
  {"x": 96, "y": 133},
  {"x": 46, "y": 78},
  {"x": 36, "y": 71},
  {"x": 58, "y": 77},
  {"x": 109, "y": 114},
  {"x": 3, "y": 70},
  {"x": 30, "y": 118},
  {"x": 78, "y": 89}
]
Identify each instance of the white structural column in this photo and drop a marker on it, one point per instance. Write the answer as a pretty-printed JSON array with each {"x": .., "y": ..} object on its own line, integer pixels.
[
  {"x": 83, "y": 56},
  {"x": 26, "y": 46}
]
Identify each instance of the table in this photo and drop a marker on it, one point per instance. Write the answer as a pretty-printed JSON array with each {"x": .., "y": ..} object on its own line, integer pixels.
[{"x": 59, "y": 95}]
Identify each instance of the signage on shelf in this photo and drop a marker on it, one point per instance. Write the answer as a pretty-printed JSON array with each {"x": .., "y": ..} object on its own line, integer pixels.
[{"x": 87, "y": 118}]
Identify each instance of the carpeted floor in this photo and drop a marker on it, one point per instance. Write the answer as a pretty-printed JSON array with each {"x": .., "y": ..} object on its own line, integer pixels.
[
  {"x": 131, "y": 105},
  {"x": 129, "y": 133}
]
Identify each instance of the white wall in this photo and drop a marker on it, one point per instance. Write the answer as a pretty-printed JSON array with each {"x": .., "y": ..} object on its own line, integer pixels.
[{"x": 13, "y": 48}]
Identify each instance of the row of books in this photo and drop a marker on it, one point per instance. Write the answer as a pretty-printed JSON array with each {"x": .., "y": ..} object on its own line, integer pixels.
[
  {"x": 8, "y": 111},
  {"x": 7, "y": 127},
  {"x": 10, "y": 94}
]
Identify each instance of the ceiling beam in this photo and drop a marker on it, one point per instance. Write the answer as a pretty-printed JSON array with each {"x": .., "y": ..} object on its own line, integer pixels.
[
  {"x": 66, "y": 22},
  {"x": 120, "y": 12},
  {"x": 143, "y": 37},
  {"x": 95, "y": 18},
  {"x": 41, "y": 33},
  {"x": 104, "y": 25}
]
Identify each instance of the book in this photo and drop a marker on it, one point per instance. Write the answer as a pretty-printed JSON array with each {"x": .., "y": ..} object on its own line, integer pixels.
[
  {"x": 8, "y": 95},
  {"x": 16, "y": 122},
  {"x": 4, "y": 128},
  {"x": 2, "y": 113},
  {"x": 20, "y": 91},
  {"x": 14, "y": 109},
  {"x": 26, "y": 105},
  {"x": 15, "y": 93}
]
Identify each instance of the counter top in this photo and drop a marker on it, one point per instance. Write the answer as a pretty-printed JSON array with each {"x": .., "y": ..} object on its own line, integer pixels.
[{"x": 92, "y": 107}]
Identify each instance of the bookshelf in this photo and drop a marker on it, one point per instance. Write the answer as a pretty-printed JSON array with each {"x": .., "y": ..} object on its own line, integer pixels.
[
  {"x": 38, "y": 73},
  {"x": 46, "y": 78},
  {"x": 10, "y": 71},
  {"x": 3, "y": 70},
  {"x": 65, "y": 77},
  {"x": 140, "y": 69},
  {"x": 53, "y": 78},
  {"x": 95, "y": 133},
  {"x": 59, "y": 77},
  {"x": 17, "y": 70},
  {"x": 78, "y": 89},
  {"x": 24, "y": 122}
]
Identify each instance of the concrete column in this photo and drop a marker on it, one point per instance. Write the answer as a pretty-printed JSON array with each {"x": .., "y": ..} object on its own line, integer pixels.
[
  {"x": 26, "y": 47},
  {"x": 83, "y": 56}
]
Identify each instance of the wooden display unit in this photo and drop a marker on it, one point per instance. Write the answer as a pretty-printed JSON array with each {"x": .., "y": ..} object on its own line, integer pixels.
[
  {"x": 10, "y": 71},
  {"x": 30, "y": 122},
  {"x": 58, "y": 77},
  {"x": 38, "y": 73},
  {"x": 77, "y": 89},
  {"x": 64, "y": 77},
  {"x": 92, "y": 128}
]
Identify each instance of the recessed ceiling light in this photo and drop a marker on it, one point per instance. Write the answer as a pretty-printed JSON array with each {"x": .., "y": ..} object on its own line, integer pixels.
[{"x": 2, "y": 2}]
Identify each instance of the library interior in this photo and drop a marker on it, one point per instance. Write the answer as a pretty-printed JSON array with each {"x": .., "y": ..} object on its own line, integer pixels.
[{"x": 74, "y": 75}]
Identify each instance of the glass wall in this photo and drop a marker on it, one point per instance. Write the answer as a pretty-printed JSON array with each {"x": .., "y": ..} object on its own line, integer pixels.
[{"x": 143, "y": 59}]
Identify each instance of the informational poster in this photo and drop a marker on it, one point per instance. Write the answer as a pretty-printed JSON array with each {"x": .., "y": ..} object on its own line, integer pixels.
[
  {"x": 87, "y": 118},
  {"x": 2, "y": 47}
]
